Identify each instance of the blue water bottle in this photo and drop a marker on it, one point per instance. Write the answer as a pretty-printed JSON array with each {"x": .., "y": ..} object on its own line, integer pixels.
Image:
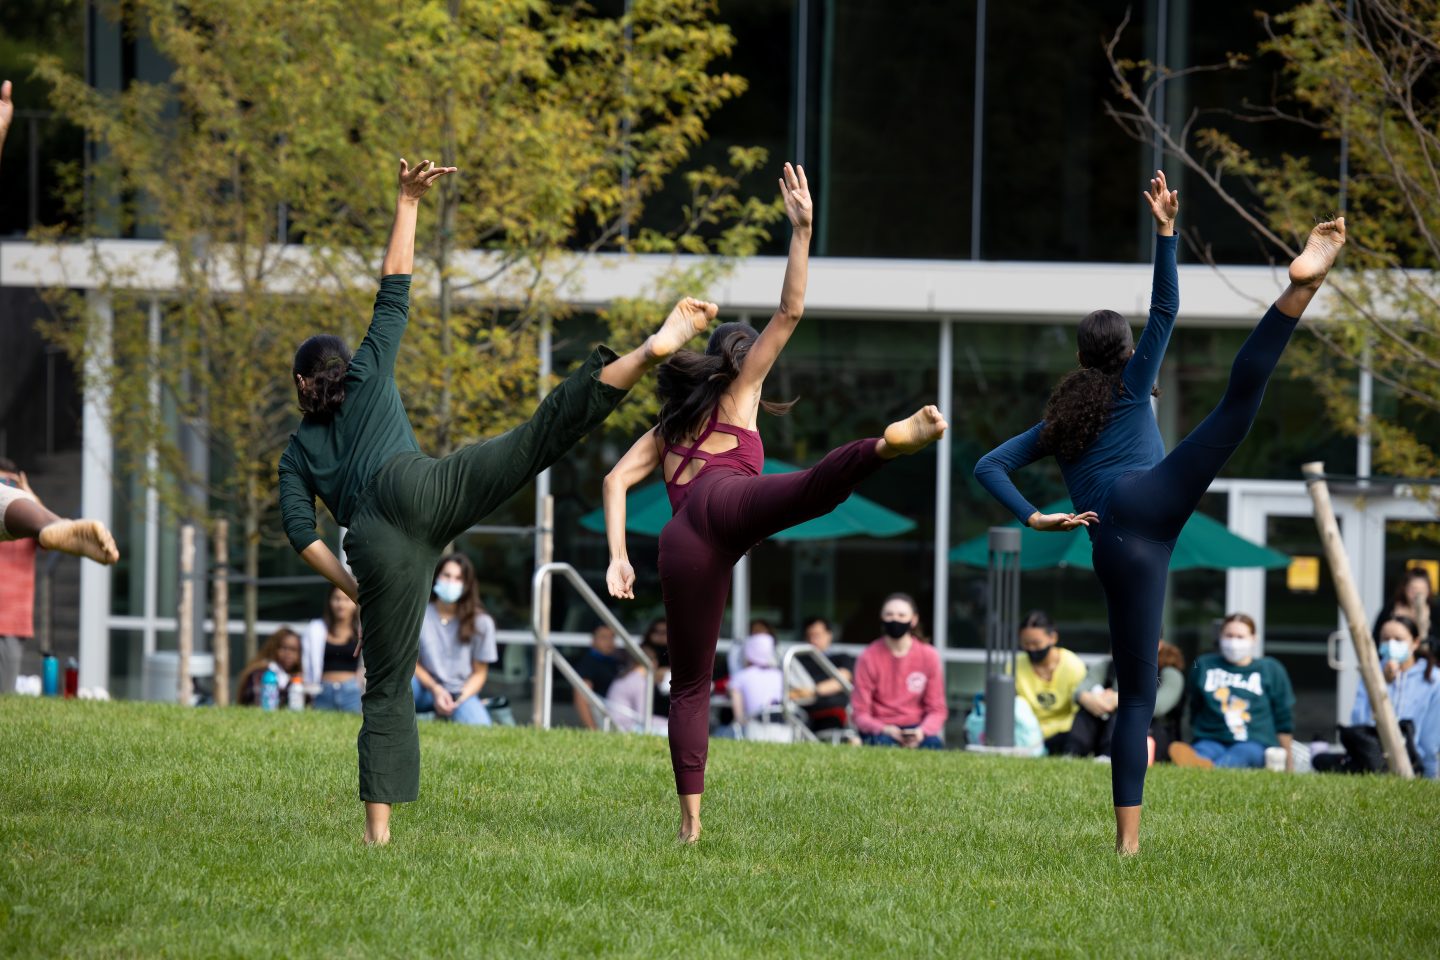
[
  {"x": 270, "y": 691},
  {"x": 50, "y": 675}
]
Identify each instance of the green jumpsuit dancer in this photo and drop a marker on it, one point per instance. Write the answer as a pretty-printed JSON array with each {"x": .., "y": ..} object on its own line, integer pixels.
[{"x": 402, "y": 508}]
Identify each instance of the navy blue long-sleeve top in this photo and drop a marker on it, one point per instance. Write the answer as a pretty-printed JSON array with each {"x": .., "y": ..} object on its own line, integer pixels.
[
  {"x": 335, "y": 457},
  {"x": 1130, "y": 439}
]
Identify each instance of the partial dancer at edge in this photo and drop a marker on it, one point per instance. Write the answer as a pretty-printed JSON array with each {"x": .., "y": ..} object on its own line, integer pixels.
[
  {"x": 712, "y": 458},
  {"x": 1133, "y": 498},
  {"x": 356, "y": 450},
  {"x": 22, "y": 515}
]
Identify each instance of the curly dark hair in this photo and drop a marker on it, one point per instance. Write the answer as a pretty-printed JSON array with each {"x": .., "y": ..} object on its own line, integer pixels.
[
  {"x": 323, "y": 361},
  {"x": 691, "y": 384},
  {"x": 1079, "y": 406}
]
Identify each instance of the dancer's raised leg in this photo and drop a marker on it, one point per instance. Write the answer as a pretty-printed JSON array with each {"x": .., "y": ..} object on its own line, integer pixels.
[
  {"x": 745, "y": 510},
  {"x": 24, "y": 517},
  {"x": 686, "y": 321}
]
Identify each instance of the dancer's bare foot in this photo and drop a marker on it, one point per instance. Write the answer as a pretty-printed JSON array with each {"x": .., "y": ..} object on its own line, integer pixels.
[
  {"x": 83, "y": 538},
  {"x": 689, "y": 833},
  {"x": 377, "y": 824},
  {"x": 1319, "y": 254},
  {"x": 377, "y": 841},
  {"x": 914, "y": 433},
  {"x": 689, "y": 319}
]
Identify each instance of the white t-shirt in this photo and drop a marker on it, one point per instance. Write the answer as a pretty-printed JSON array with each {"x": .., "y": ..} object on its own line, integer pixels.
[{"x": 445, "y": 657}]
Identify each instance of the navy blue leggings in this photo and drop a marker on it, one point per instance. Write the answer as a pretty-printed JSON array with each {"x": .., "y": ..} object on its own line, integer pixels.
[{"x": 1133, "y": 542}]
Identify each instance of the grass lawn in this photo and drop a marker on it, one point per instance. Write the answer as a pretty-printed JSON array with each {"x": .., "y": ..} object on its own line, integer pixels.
[{"x": 142, "y": 830}]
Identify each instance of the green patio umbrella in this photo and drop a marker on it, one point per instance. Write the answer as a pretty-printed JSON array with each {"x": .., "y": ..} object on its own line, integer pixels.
[
  {"x": 1204, "y": 544},
  {"x": 648, "y": 508}
]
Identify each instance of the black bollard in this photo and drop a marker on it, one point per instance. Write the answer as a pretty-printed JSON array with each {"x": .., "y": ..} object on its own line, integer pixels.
[{"x": 1002, "y": 622}]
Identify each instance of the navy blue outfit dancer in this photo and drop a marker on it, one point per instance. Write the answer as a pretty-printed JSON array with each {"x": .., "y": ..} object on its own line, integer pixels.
[{"x": 1133, "y": 498}]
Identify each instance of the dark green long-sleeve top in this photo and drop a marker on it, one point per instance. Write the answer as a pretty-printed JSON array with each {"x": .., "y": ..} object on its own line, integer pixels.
[{"x": 335, "y": 458}]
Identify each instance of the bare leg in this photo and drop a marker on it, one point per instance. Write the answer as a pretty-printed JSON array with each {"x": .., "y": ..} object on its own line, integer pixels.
[
  {"x": 1308, "y": 270},
  {"x": 377, "y": 823},
  {"x": 83, "y": 538},
  {"x": 688, "y": 319},
  {"x": 912, "y": 434},
  {"x": 1127, "y": 830},
  {"x": 689, "y": 818}
]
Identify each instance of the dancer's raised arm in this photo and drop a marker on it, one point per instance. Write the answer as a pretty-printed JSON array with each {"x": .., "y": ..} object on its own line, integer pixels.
[
  {"x": 377, "y": 352},
  {"x": 400, "y": 251},
  {"x": 1144, "y": 367},
  {"x": 637, "y": 464},
  {"x": 795, "y": 190}
]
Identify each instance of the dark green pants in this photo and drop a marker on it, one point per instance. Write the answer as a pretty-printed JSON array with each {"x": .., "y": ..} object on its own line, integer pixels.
[{"x": 410, "y": 510}]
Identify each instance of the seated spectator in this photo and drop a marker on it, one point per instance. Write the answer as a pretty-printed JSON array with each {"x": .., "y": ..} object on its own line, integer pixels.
[
  {"x": 735, "y": 657},
  {"x": 1048, "y": 677},
  {"x": 1097, "y": 698},
  {"x": 626, "y": 696},
  {"x": 823, "y": 697},
  {"x": 1239, "y": 703},
  {"x": 329, "y": 648},
  {"x": 1413, "y": 685},
  {"x": 280, "y": 655},
  {"x": 1413, "y": 601},
  {"x": 598, "y": 667},
  {"x": 899, "y": 697},
  {"x": 457, "y": 646},
  {"x": 756, "y": 690},
  {"x": 657, "y": 639}
]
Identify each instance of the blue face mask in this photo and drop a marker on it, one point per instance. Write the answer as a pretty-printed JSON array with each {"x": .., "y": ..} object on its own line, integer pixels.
[
  {"x": 448, "y": 591},
  {"x": 1395, "y": 651}
]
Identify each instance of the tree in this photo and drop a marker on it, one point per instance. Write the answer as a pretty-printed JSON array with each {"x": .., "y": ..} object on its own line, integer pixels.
[
  {"x": 562, "y": 122},
  {"x": 1366, "y": 75}
]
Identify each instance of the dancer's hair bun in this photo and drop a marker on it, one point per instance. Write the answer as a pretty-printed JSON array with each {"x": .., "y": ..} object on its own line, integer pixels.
[{"x": 322, "y": 362}]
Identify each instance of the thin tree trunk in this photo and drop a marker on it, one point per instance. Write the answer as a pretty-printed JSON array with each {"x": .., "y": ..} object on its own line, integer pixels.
[
  {"x": 221, "y": 613},
  {"x": 252, "y": 571}
]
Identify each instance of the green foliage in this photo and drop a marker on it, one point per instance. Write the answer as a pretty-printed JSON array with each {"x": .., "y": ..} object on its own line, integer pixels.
[
  {"x": 1371, "y": 80},
  {"x": 148, "y": 830},
  {"x": 288, "y": 119}
]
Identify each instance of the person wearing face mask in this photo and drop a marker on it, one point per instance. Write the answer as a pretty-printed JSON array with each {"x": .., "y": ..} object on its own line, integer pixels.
[
  {"x": 899, "y": 698},
  {"x": 457, "y": 646},
  {"x": 1240, "y": 703},
  {"x": 1049, "y": 678},
  {"x": 1413, "y": 685}
]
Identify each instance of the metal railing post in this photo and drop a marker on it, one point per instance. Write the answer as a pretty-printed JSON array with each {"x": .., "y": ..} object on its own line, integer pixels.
[
  {"x": 547, "y": 660},
  {"x": 788, "y": 707}
]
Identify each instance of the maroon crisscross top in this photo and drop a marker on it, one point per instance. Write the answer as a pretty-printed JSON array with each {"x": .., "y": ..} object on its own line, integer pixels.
[{"x": 748, "y": 456}]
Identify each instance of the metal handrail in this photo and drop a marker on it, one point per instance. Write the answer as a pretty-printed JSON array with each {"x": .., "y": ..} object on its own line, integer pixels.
[
  {"x": 540, "y": 623},
  {"x": 791, "y": 711}
]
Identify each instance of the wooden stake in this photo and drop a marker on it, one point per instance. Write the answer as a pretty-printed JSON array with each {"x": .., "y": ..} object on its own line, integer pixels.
[
  {"x": 185, "y": 617},
  {"x": 1365, "y": 653},
  {"x": 221, "y": 609}
]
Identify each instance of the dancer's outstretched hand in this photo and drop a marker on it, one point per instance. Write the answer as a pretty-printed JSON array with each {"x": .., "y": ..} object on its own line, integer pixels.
[
  {"x": 414, "y": 183},
  {"x": 795, "y": 191},
  {"x": 1061, "y": 522},
  {"x": 620, "y": 580},
  {"x": 1164, "y": 202}
]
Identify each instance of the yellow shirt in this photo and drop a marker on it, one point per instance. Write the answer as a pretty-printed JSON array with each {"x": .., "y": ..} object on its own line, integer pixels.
[{"x": 1052, "y": 700}]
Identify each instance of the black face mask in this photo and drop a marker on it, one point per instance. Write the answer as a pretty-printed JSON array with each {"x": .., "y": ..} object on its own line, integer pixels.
[
  {"x": 1038, "y": 656},
  {"x": 662, "y": 655},
  {"x": 894, "y": 629}
]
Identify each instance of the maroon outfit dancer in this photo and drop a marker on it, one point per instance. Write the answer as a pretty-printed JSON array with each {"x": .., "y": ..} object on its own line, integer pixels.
[
  {"x": 723, "y": 505},
  {"x": 720, "y": 513}
]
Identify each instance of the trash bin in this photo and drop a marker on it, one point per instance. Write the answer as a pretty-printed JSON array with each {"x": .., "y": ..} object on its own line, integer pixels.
[{"x": 162, "y": 673}]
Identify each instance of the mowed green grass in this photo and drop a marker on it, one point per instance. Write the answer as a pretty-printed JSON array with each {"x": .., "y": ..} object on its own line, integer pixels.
[{"x": 142, "y": 830}]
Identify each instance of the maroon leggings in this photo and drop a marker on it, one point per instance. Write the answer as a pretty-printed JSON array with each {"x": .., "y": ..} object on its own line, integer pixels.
[{"x": 725, "y": 513}]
